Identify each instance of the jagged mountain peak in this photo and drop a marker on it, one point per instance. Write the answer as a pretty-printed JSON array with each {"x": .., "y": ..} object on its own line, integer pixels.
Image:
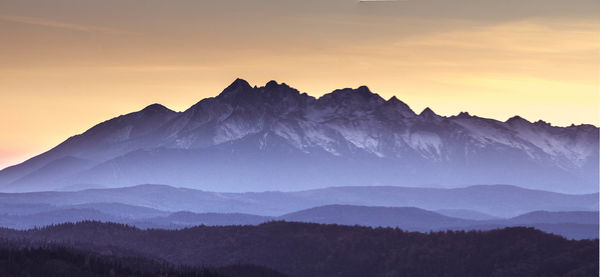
[
  {"x": 242, "y": 89},
  {"x": 235, "y": 88},
  {"x": 156, "y": 108},
  {"x": 586, "y": 127},
  {"x": 273, "y": 89},
  {"x": 271, "y": 84},
  {"x": 394, "y": 106},
  {"x": 463, "y": 115},
  {"x": 240, "y": 92},
  {"x": 517, "y": 119},
  {"x": 238, "y": 83},
  {"x": 428, "y": 113},
  {"x": 361, "y": 98},
  {"x": 362, "y": 91},
  {"x": 274, "y": 85},
  {"x": 394, "y": 100},
  {"x": 541, "y": 123}
]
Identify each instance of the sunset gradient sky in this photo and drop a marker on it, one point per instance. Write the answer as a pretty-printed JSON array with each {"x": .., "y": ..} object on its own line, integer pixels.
[{"x": 66, "y": 65}]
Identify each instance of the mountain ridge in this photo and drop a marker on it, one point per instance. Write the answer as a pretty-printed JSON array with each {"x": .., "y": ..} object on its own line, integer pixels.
[
  {"x": 569, "y": 224},
  {"x": 499, "y": 201},
  {"x": 348, "y": 130}
]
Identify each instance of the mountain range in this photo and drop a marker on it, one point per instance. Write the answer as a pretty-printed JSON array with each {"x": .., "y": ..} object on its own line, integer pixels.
[
  {"x": 572, "y": 225},
  {"x": 491, "y": 200},
  {"x": 276, "y": 138}
]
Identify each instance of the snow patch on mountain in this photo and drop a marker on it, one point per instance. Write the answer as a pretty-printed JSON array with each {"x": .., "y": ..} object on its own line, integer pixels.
[{"x": 428, "y": 144}]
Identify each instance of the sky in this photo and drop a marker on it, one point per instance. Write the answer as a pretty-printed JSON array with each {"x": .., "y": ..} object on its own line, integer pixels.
[{"x": 66, "y": 65}]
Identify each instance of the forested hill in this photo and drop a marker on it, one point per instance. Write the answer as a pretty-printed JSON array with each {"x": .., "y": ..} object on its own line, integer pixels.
[
  {"x": 306, "y": 249},
  {"x": 22, "y": 259}
]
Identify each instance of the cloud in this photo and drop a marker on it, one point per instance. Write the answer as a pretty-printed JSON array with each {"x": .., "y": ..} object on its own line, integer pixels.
[{"x": 62, "y": 25}]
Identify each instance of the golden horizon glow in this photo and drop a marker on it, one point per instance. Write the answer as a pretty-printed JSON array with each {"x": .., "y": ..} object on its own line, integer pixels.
[{"x": 66, "y": 69}]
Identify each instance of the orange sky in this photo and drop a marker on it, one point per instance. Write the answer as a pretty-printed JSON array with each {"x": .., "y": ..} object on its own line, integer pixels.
[{"x": 66, "y": 65}]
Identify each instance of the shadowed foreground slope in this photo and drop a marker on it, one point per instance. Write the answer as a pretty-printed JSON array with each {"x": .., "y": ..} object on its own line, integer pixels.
[
  {"x": 301, "y": 249},
  {"x": 21, "y": 259}
]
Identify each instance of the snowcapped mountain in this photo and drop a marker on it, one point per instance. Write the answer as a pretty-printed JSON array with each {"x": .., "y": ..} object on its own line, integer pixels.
[{"x": 276, "y": 138}]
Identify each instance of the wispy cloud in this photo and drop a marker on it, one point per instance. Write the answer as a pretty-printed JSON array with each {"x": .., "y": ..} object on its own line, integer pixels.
[{"x": 63, "y": 25}]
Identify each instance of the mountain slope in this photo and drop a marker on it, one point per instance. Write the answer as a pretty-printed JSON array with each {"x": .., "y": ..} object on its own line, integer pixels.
[
  {"x": 407, "y": 218},
  {"x": 276, "y": 138},
  {"x": 465, "y": 214},
  {"x": 102, "y": 142},
  {"x": 579, "y": 217}
]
